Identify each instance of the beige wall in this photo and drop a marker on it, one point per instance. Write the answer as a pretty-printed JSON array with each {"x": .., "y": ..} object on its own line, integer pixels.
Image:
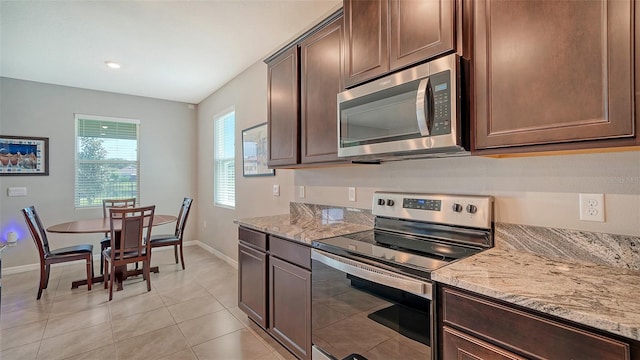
[
  {"x": 167, "y": 157},
  {"x": 248, "y": 95},
  {"x": 541, "y": 190}
]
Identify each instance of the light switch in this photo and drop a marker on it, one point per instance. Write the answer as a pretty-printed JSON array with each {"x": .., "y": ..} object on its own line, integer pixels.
[
  {"x": 17, "y": 191},
  {"x": 276, "y": 190}
]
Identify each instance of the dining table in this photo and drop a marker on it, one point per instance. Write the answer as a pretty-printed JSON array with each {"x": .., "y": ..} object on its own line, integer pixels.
[{"x": 103, "y": 225}]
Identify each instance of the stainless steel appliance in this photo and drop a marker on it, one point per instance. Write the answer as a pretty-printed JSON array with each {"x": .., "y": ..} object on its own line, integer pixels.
[
  {"x": 371, "y": 291},
  {"x": 409, "y": 114}
]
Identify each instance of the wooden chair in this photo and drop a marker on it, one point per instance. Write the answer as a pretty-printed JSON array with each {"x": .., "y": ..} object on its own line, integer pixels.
[
  {"x": 106, "y": 205},
  {"x": 129, "y": 229},
  {"x": 175, "y": 239},
  {"x": 48, "y": 257}
]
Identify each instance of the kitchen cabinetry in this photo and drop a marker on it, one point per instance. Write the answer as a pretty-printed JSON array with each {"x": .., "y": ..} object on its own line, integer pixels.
[
  {"x": 321, "y": 72},
  {"x": 283, "y": 109},
  {"x": 290, "y": 297},
  {"x": 274, "y": 288},
  {"x": 386, "y": 35},
  {"x": 253, "y": 275},
  {"x": 554, "y": 72},
  {"x": 484, "y": 328},
  {"x": 304, "y": 80}
]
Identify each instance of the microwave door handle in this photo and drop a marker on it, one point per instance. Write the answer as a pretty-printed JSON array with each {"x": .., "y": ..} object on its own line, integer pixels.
[{"x": 422, "y": 107}]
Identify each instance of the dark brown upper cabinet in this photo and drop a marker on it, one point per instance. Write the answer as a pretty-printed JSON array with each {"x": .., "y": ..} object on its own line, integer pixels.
[
  {"x": 386, "y": 35},
  {"x": 283, "y": 108},
  {"x": 552, "y": 72},
  {"x": 321, "y": 73},
  {"x": 304, "y": 80}
]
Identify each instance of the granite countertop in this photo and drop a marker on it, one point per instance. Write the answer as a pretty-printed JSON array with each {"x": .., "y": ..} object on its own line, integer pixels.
[
  {"x": 302, "y": 229},
  {"x": 599, "y": 296}
]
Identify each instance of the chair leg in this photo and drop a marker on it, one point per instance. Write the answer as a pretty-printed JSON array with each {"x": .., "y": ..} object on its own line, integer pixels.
[
  {"x": 48, "y": 271},
  {"x": 175, "y": 252},
  {"x": 89, "y": 273},
  {"x": 146, "y": 266},
  {"x": 43, "y": 279},
  {"x": 102, "y": 248},
  {"x": 111, "y": 282},
  {"x": 105, "y": 276},
  {"x": 181, "y": 256}
]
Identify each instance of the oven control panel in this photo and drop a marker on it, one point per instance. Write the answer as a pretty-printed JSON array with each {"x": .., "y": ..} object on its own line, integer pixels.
[
  {"x": 422, "y": 204},
  {"x": 462, "y": 210}
]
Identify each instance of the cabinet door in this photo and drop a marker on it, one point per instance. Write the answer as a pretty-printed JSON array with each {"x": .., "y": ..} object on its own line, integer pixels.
[
  {"x": 420, "y": 29},
  {"x": 290, "y": 303},
  {"x": 366, "y": 39},
  {"x": 252, "y": 283},
  {"x": 282, "y": 109},
  {"x": 458, "y": 345},
  {"x": 552, "y": 71},
  {"x": 321, "y": 72}
]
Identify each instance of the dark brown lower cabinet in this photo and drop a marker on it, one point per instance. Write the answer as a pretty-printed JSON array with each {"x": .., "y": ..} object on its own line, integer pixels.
[
  {"x": 252, "y": 287},
  {"x": 475, "y": 327},
  {"x": 274, "y": 288},
  {"x": 290, "y": 298}
]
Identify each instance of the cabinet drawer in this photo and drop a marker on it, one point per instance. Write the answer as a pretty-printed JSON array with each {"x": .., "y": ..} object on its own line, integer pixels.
[
  {"x": 531, "y": 335},
  {"x": 292, "y": 252},
  {"x": 252, "y": 237},
  {"x": 458, "y": 345}
]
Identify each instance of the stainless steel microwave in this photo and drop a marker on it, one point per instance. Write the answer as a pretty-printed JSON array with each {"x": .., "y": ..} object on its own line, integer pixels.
[{"x": 410, "y": 114}]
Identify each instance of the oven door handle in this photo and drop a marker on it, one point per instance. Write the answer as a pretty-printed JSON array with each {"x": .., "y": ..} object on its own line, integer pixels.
[{"x": 373, "y": 274}]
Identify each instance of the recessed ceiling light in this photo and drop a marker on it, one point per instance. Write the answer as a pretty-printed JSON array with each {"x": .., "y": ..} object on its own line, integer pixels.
[{"x": 112, "y": 64}]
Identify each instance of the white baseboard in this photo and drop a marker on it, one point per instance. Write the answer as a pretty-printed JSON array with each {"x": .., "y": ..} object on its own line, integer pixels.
[
  {"x": 36, "y": 266},
  {"x": 215, "y": 252},
  {"x": 22, "y": 268}
]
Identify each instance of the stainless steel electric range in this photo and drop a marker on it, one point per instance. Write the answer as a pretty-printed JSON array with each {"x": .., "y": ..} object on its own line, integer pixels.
[{"x": 371, "y": 291}]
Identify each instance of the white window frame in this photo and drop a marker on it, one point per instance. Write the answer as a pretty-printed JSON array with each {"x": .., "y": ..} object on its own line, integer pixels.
[
  {"x": 218, "y": 200},
  {"x": 78, "y": 161}
]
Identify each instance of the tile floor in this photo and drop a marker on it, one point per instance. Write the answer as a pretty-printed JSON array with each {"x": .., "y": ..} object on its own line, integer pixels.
[{"x": 190, "y": 314}]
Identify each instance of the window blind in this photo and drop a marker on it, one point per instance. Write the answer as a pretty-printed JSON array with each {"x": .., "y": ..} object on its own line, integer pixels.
[
  {"x": 107, "y": 163},
  {"x": 224, "y": 176}
]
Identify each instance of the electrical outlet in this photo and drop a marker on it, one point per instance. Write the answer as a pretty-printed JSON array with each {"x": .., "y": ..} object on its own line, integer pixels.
[
  {"x": 276, "y": 190},
  {"x": 592, "y": 207},
  {"x": 352, "y": 194},
  {"x": 301, "y": 193}
]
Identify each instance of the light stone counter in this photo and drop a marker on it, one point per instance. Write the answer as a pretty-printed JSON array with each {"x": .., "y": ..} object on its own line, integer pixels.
[
  {"x": 307, "y": 222},
  {"x": 600, "y": 296}
]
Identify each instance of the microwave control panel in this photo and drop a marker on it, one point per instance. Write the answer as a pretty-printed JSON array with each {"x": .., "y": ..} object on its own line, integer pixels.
[{"x": 441, "y": 87}]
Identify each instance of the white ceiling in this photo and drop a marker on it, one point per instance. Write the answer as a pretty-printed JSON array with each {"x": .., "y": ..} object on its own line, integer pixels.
[{"x": 174, "y": 50}]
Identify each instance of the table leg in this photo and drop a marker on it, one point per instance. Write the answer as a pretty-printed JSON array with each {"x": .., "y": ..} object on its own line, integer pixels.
[{"x": 120, "y": 277}]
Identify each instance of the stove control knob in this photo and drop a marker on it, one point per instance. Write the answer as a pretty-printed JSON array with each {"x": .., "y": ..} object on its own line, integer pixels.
[
  {"x": 471, "y": 209},
  {"x": 457, "y": 207},
  {"x": 381, "y": 202},
  {"x": 390, "y": 202}
]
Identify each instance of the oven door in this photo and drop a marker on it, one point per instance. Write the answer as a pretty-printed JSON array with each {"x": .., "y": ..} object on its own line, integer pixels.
[{"x": 363, "y": 312}]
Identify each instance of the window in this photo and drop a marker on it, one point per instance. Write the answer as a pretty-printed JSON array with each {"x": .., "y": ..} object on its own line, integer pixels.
[
  {"x": 224, "y": 172},
  {"x": 107, "y": 163}
]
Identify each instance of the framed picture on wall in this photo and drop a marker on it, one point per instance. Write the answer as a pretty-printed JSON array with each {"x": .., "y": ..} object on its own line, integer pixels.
[
  {"x": 255, "y": 151},
  {"x": 24, "y": 155}
]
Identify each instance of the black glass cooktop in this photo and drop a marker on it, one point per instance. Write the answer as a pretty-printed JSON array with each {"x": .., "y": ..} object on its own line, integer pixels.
[{"x": 421, "y": 255}]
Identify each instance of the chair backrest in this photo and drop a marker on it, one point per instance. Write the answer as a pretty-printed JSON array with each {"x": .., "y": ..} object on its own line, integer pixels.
[
  {"x": 129, "y": 229},
  {"x": 116, "y": 203},
  {"x": 37, "y": 231},
  {"x": 182, "y": 216}
]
